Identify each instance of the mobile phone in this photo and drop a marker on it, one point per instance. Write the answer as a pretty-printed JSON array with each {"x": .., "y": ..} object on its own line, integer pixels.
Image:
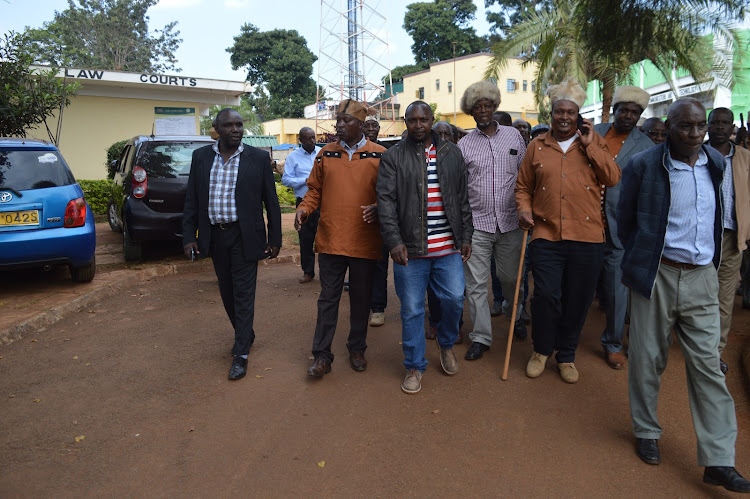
[
  {"x": 580, "y": 124},
  {"x": 192, "y": 254}
]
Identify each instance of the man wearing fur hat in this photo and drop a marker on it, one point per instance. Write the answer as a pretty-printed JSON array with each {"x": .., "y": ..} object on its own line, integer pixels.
[
  {"x": 557, "y": 194},
  {"x": 624, "y": 141},
  {"x": 493, "y": 154},
  {"x": 342, "y": 184}
]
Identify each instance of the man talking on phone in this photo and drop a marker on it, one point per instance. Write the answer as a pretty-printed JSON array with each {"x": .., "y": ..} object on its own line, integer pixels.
[{"x": 557, "y": 193}]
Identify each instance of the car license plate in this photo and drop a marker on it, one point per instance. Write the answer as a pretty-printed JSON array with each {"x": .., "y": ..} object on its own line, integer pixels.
[{"x": 29, "y": 217}]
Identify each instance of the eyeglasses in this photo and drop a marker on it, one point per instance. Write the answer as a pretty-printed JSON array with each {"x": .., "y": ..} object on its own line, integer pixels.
[{"x": 654, "y": 133}]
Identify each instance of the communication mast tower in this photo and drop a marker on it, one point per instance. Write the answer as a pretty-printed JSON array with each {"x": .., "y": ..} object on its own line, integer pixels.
[{"x": 354, "y": 60}]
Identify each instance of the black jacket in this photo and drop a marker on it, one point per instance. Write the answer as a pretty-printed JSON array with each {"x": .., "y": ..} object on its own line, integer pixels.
[
  {"x": 402, "y": 195},
  {"x": 255, "y": 188}
]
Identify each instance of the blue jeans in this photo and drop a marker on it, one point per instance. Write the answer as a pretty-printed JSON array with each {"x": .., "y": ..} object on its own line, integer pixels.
[{"x": 445, "y": 274}]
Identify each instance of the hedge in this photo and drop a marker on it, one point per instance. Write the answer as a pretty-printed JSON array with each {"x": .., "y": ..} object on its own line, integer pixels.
[
  {"x": 114, "y": 152},
  {"x": 97, "y": 194}
]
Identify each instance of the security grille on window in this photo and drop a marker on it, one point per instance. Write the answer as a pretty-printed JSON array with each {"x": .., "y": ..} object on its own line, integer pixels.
[
  {"x": 511, "y": 85},
  {"x": 525, "y": 85},
  {"x": 450, "y": 87},
  {"x": 494, "y": 80},
  {"x": 437, "y": 85},
  {"x": 533, "y": 86},
  {"x": 420, "y": 93}
]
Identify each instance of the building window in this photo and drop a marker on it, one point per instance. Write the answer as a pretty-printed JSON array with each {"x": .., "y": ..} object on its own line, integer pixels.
[
  {"x": 533, "y": 86},
  {"x": 420, "y": 93},
  {"x": 511, "y": 86},
  {"x": 437, "y": 85},
  {"x": 525, "y": 85},
  {"x": 493, "y": 80},
  {"x": 450, "y": 87}
]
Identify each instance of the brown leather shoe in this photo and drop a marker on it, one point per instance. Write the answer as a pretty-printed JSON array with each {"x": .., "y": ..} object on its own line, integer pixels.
[
  {"x": 615, "y": 360},
  {"x": 305, "y": 278},
  {"x": 319, "y": 368},
  {"x": 358, "y": 361}
]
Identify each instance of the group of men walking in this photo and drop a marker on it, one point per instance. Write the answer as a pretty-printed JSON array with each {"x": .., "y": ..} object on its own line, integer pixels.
[{"x": 443, "y": 211}]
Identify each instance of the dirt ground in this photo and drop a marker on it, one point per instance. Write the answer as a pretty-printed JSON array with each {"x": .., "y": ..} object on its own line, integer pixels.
[{"x": 130, "y": 397}]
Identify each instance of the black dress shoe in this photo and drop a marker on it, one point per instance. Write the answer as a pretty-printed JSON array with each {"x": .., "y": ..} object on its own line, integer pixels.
[
  {"x": 723, "y": 366},
  {"x": 239, "y": 368},
  {"x": 476, "y": 350},
  {"x": 358, "y": 361},
  {"x": 519, "y": 330},
  {"x": 648, "y": 450},
  {"x": 727, "y": 477},
  {"x": 319, "y": 368}
]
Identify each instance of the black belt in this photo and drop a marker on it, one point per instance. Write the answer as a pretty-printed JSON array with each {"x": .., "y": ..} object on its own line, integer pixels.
[
  {"x": 224, "y": 225},
  {"x": 678, "y": 265}
]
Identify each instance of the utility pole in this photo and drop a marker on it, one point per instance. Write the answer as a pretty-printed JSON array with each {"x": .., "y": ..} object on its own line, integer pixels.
[{"x": 454, "y": 84}]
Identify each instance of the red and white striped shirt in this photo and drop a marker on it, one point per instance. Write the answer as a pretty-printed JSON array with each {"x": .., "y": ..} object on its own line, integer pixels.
[{"x": 439, "y": 235}]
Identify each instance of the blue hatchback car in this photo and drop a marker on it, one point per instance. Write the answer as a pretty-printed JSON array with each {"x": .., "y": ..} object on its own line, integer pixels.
[{"x": 44, "y": 217}]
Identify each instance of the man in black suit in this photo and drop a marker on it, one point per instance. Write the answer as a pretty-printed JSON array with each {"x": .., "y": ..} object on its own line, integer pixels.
[{"x": 228, "y": 186}]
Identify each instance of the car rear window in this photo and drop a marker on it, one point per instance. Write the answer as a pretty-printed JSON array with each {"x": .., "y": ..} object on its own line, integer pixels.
[
  {"x": 24, "y": 169},
  {"x": 167, "y": 159}
]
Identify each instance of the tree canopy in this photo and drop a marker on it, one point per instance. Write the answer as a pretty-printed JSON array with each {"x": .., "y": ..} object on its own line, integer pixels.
[
  {"x": 107, "y": 34},
  {"x": 564, "y": 44},
  {"x": 27, "y": 96},
  {"x": 279, "y": 64},
  {"x": 434, "y": 26},
  {"x": 512, "y": 12}
]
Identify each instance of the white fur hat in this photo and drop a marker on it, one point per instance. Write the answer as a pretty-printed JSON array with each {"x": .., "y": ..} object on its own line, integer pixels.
[
  {"x": 632, "y": 94},
  {"x": 568, "y": 90},
  {"x": 478, "y": 91}
]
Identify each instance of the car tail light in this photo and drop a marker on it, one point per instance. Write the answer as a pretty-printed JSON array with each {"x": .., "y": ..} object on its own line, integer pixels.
[
  {"x": 75, "y": 213},
  {"x": 140, "y": 182}
]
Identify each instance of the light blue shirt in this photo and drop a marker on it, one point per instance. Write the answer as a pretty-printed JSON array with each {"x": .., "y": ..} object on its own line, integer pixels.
[
  {"x": 727, "y": 189},
  {"x": 690, "y": 228},
  {"x": 351, "y": 150},
  {"x": 297, "y": 168}
]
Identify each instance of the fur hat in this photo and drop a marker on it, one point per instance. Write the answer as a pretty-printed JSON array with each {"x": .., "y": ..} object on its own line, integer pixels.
[
  {"x": 636, "y": 95},
  {"x": 353, "y": 108},
  {"x": 478, "y": 91},
  {"x": 568, "y": 90}
]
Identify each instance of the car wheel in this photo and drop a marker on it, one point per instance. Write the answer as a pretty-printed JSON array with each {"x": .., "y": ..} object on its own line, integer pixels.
[
  {"x": 84, "y": 273},
  {"x": 114, "y": 221},
  {"x": 132, "y": 250}
]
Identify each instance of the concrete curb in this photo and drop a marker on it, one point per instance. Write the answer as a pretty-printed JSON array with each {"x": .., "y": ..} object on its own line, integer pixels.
[
  {"x": 130, "y": 278},
  {"x": 52, "y": 315}
]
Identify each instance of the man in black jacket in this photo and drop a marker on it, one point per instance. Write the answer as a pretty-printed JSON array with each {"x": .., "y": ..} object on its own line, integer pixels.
[
  {"x": 228, "y": 186},
  {"x": 425, "y": 221}
]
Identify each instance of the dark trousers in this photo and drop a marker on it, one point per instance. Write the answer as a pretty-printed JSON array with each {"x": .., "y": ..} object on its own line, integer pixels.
[
  {"x": 237, "y": 278},
  {"x": 379, "y": 299},
  {"x": 306, "y": 241},
  {"x": 565, "y": 277},
  {"x": 332, "y": 271}
]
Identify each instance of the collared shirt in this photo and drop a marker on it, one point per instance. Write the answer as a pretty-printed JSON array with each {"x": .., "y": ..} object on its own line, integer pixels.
[
  {"x": 690, "y": 228},
  {"x": 561, "y": 189},
  {"x": 493, "y": 162},
  {"x": 297, "y": 168},
  {"x": 727, "y": 189},
  {"x": 222, "y": 184},
  {"x": 357, "y": 146}
]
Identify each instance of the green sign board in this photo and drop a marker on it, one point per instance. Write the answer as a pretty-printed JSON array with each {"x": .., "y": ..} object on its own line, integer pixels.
[{"x": 174, "y": 111}]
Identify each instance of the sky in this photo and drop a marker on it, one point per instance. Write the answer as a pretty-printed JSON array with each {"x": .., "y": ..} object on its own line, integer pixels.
[{"x": 207, "y": 27}]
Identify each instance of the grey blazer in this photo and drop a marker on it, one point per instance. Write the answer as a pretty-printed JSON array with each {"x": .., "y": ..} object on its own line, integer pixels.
[{"x": 635, "y": 143}]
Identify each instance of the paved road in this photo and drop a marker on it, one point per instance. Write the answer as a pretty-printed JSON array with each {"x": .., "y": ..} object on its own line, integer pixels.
[{"x": 129, "y": 397}]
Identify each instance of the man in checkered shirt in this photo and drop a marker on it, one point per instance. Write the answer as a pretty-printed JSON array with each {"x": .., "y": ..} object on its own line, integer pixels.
[{"x": 493, "y": 154}]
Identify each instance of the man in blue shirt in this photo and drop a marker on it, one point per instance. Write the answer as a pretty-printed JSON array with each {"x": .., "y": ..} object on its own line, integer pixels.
[
  {"x": 296, "y": 170},
  {"x": 669, "y": 219}
]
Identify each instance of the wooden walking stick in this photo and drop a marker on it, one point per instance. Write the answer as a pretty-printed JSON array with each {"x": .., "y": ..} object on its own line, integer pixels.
[{"x": 504, "y": 377}]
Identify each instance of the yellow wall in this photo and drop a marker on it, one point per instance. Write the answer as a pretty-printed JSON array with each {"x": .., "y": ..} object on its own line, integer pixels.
[
  {"x": 91, "y": 124},
  {"x": 287, "y": 129},
  {"x": 468, "y": 70}
]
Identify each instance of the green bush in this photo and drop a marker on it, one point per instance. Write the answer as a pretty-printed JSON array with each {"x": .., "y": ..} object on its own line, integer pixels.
[
  {"x": 97, "y": 194},
  {"x": 286, "y": 195},
  {"x": 114, "y": 152}
]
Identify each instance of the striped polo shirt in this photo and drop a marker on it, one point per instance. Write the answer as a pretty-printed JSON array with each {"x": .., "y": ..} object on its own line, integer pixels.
[{"x": 439, "y": 235}]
